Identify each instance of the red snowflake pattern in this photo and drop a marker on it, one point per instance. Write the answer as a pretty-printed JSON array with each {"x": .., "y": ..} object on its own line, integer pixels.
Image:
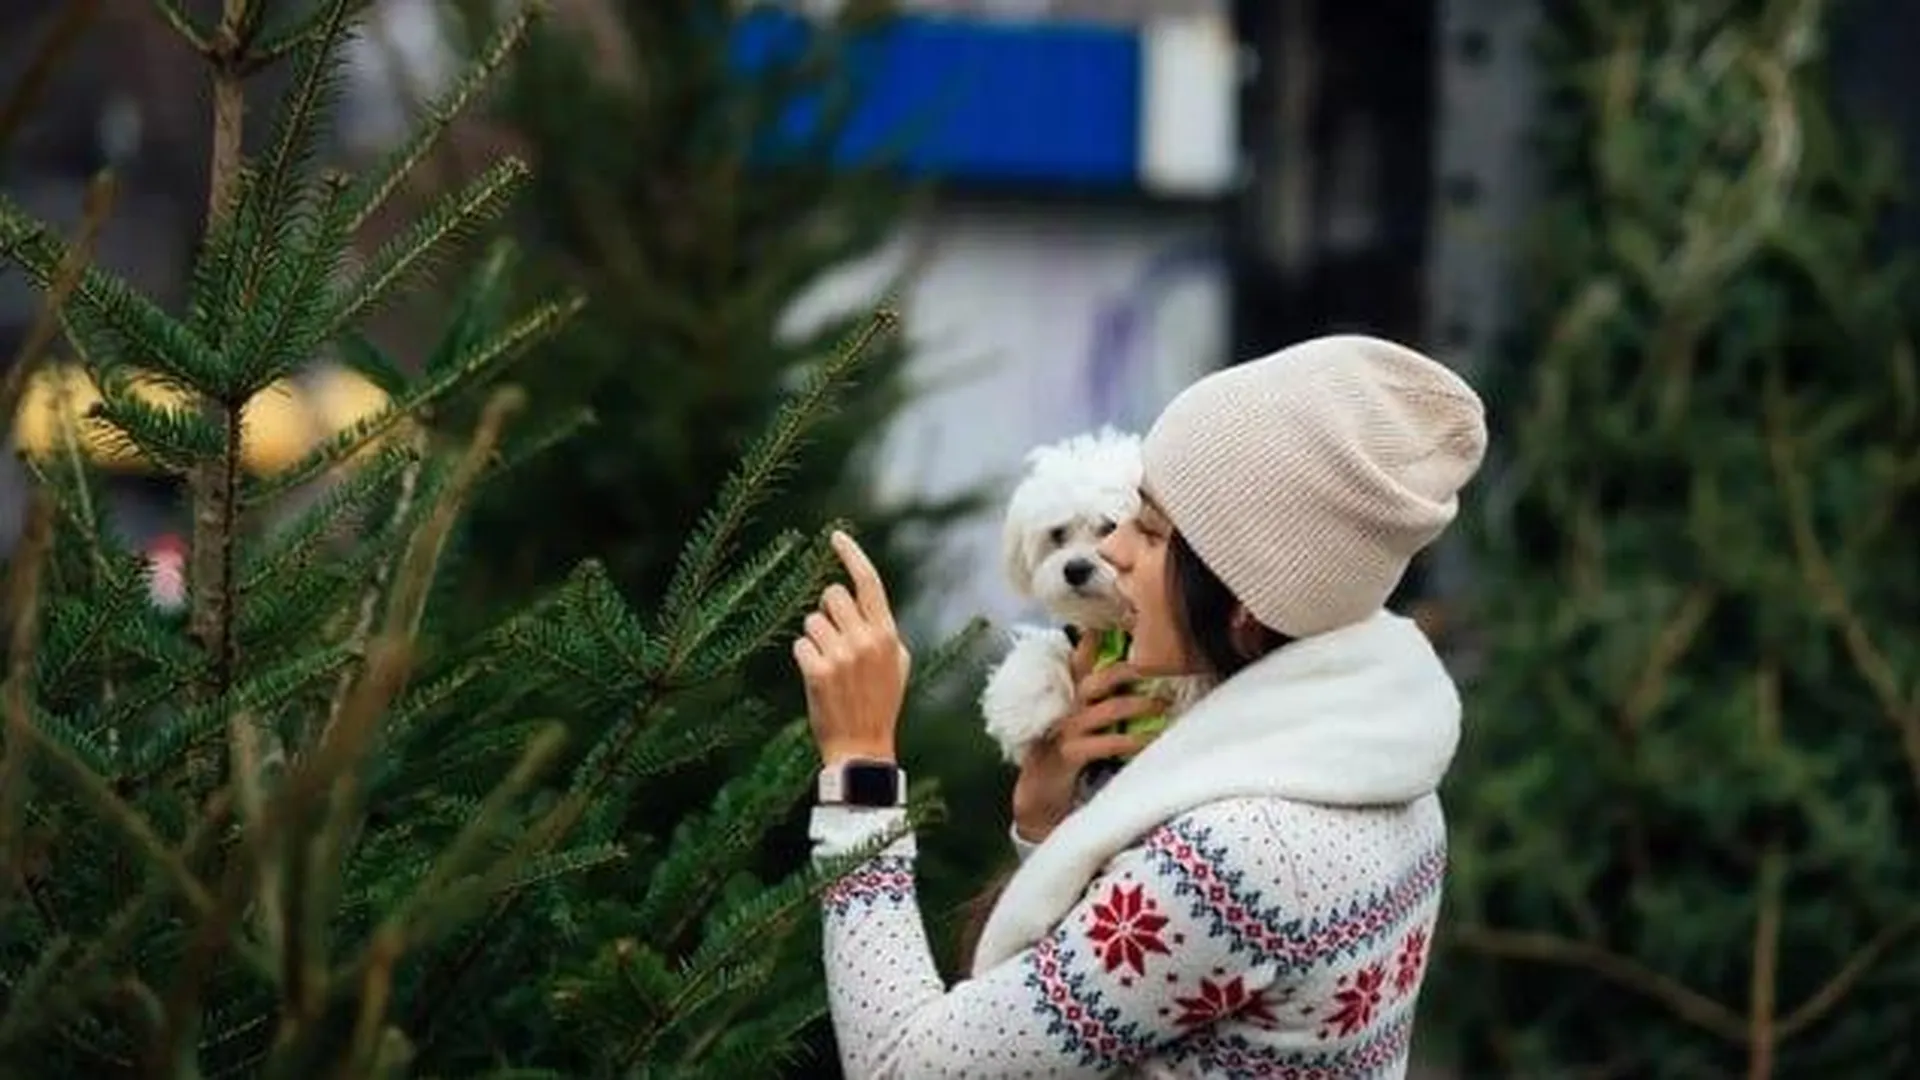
[
  {"x": 1126, "y": 927},
  {"x": 1410, "y": 961},
  {"x": 1224, "y": 1000},
  {"x": 1356, "y": 1001}
]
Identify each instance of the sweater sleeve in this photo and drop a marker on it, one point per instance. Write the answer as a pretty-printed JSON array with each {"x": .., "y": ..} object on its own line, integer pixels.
[{"x": 1132, "y": 968}]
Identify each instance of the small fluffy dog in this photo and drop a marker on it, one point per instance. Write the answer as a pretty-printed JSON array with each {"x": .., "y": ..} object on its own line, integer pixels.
[{"x": 1074, "y": 493}]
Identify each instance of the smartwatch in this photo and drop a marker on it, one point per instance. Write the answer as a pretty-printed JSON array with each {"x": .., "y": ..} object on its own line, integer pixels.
[{"x": 863, "y": 783}]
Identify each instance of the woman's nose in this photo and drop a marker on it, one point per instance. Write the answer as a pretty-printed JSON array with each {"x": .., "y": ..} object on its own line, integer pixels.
[{"x": 1112, "y": 548}]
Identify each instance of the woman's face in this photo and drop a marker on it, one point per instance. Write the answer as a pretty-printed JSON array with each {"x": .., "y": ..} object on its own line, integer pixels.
[{"x": 1138, "y": 552}]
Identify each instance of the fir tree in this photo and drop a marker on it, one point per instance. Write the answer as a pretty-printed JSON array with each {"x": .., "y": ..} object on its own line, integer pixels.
[
  {"x": 695, "y": 177},
  {"x": 1683, "y": 819},
  {"x": 308, "y": 829}
]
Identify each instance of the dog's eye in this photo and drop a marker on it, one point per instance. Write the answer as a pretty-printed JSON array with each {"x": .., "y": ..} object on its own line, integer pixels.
[
  {"x": 1057, "y": 535},
  {"x": 1106, "y": 528}
]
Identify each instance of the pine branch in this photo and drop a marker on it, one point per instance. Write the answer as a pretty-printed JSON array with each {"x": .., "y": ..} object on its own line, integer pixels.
[
  {"x": 750, "y": 926},
  {"x": 668, "y": 747},
  {"x": 185, "y": 26},
  {"x": 709, "y": 847},
  {"x": 96, "y": 207},
  {"x": 775, "y": 583},
  {"x": 29, "y": 557},
  {"x": 23, "y": 599},
  {"x": 1829, "y": 593},
  {"x": 265, "y": 692},
  {"x": 250, "y": 780},
  {"x": 24, "y": 1017},
  {"x": 275, "y": 190},
  {"x": 405, "y": 607},
  {"x": 730, "y": 1048},
  {"x": 301, "y": 542},
  {"x": 750, "y": 483},
  {"x": 1770, "y": 897},
  {"x": 377, "y": 1049},
  {"x": 1681, "y": 1001},
  {"x": 934, "y": 668},
  {"x": 586, "y": 625},
  {"x": 75, "y": 500},
  {"x": 439, "y": 891},
  {"x": 224, "y": 51},
  {"x": 344, "y": 742},
  {"x": 165, "y": 344},
  {"x": 556, "y": 434},
  {"x": 357, "y": 354},
  {"x": 453, "y": 218},
  {"x": 556, "y": 824},
  {"x": 1834, "y": 991},
  {"x": 324, "y": 781},
  {"x": 373, "y": 192},
  {"x": 271, "y": 48},
  {"x": 133, "y": 829},
  {"x": 173, "y": 439},
  {"x": 327, "y": 786},
  {"x": 1684, "y": 1003},
  {"x": 699, "y": 567},
  {"x": 289, "y": 292},
  {"x": 473, "y": 365},
  {"x": 358, "y": 637}
]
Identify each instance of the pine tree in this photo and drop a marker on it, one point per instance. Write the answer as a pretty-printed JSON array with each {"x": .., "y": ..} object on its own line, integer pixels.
[
  {"x": 700, "y": 167},
  {"x": 310, "y": 828},
  {"x": 1683, "y": 819}
]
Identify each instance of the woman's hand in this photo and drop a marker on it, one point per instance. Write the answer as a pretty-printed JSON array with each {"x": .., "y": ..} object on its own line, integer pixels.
[
  {"x": 853, "y": 664},
  {"x": 1043, "y": 794}
]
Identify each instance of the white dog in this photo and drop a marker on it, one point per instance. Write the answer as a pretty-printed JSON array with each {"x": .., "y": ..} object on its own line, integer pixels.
[{"x": 1074, "y": 493}]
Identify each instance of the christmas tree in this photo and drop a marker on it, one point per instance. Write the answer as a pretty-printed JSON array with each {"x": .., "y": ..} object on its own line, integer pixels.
[
  {"x": 701, "y": 167},
  {"x": 1684, "y": 813},
  {"x": 305, "y": 826}
]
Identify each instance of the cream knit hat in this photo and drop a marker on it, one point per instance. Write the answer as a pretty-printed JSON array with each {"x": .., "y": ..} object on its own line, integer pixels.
[{"x": 1309, "y": 478}]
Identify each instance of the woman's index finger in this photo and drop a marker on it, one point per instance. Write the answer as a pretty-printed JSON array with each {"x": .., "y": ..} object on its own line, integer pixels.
[{"x": 868, "y": 590}]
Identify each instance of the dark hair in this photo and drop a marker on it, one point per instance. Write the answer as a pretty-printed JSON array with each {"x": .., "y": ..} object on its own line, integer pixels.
[{"x": 1204, "y": 606}]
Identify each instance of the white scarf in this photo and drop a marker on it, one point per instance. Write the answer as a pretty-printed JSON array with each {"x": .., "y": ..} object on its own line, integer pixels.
[{"x": 1361, "y": 716}]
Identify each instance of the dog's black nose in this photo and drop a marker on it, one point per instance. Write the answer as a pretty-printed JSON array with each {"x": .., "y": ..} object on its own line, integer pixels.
[{"x": 1078, "y": 571}]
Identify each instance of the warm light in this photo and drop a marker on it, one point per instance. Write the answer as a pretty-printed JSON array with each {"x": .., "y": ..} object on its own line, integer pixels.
[
  {"x": 54, "y": 408},
  {"x": 279, "y": 426},
  {"x": 276, "y": 429},
  {"x": 342, "y": 398},
  {"x": 53, "y": 404}
]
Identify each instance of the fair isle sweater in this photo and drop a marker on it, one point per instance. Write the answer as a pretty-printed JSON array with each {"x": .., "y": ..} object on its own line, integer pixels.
[
  {"x": 1249, "y": 937},
  {"x": 1232, "y": 904}
]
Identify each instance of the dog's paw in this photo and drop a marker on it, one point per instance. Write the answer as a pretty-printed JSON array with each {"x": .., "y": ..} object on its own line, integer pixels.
[{"x": 1029, "y": 692}]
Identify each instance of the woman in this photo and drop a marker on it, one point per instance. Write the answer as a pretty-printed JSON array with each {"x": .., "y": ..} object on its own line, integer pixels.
[{"x": 1255, "y": 892}]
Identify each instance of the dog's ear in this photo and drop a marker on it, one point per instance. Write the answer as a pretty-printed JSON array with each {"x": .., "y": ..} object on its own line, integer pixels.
[{"x": 1016, "y": 555}]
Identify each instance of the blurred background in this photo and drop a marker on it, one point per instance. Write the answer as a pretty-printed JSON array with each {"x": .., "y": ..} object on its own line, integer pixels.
[{"x": 1669, "y": 239}]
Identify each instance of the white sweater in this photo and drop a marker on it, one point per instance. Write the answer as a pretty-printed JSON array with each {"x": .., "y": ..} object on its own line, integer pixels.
[{"x": 1254, "y": 895}]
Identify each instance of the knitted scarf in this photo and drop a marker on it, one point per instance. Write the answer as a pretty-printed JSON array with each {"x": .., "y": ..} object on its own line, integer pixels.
[{"x": 1361, "y": 716}]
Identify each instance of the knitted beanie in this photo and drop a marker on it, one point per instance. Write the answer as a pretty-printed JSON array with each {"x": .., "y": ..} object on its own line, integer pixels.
[{"x": 1307, "y": 480}]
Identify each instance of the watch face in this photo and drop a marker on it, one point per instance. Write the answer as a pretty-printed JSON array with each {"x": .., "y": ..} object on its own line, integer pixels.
[{"x": 872, "y": 785}]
